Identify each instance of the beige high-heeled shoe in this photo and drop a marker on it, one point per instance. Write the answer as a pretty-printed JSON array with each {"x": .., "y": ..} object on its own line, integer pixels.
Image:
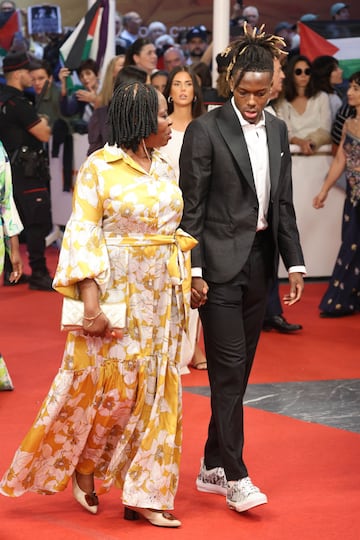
[
  {"x": 159, "y": 518},
  {"x": 89, "y": 501}
]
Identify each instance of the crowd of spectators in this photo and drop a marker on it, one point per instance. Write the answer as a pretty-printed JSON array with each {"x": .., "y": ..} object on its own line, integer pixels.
[{"x": 151, "y": 54}]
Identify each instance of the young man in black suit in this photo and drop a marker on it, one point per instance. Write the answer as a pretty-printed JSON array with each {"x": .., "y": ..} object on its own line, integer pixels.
[{"x": 235, "y": 174}]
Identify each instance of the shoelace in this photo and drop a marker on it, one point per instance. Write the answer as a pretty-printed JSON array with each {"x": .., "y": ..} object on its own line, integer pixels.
[{"x": 246, "y": 485}]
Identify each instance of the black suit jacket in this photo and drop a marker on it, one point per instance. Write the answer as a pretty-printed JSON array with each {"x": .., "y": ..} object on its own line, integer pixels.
[{"x": 220, "y": 202}]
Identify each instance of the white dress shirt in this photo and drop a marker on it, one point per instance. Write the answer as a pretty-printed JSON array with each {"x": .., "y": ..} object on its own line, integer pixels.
[{"x": 256, "y": 141}]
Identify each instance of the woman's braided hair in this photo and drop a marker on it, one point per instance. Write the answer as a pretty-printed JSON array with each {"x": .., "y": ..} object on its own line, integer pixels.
[
  {"x": 254, "y": 51},
  {"x": 132, "y": 114}
]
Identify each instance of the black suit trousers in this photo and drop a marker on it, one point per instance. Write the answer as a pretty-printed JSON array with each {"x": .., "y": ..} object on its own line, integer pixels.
[
  {"x": 232, "y": 320},
  {"x": 274, "y": 303}
]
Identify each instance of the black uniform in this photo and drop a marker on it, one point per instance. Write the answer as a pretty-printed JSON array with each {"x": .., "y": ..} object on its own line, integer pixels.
[{"x": 30, "y": 173}]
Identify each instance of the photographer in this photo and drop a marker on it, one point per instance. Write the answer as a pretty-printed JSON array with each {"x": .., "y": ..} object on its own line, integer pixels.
[{"x": 24, "y": 133}]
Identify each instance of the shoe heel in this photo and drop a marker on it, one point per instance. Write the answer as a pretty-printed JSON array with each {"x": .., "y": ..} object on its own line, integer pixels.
[{"x": 130, "y": 515}]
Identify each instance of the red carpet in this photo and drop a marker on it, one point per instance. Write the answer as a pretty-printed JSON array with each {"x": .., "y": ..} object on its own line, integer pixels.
[{"x": 309, "y": 472}]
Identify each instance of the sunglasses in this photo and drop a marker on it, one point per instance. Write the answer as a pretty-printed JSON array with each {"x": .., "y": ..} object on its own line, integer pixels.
[{"x": 299, "y": 71}]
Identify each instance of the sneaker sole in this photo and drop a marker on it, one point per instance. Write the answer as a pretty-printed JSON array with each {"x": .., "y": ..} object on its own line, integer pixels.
[
  {"x": 247, "y": 505},
  {"x": 210, "y": 488}
]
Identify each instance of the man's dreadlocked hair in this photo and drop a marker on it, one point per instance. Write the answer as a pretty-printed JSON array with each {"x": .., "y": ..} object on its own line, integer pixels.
[
  {"x": 254, "y": 51},
  {"x": 132, "y": 114}
]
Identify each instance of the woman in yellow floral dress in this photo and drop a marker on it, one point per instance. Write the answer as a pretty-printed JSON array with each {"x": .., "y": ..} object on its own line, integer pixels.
[{"x": 114, "y": 409}]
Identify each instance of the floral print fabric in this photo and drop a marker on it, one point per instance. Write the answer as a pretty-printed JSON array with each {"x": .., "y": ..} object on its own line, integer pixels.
[
  {"x": 343, "y": 294},
  {"x": 114, "y": 408},
  {"x": 10, "y": 223}
]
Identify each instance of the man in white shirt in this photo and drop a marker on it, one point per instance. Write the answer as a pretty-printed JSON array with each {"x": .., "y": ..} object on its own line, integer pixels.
[
  {"x": 235, "y": 175},
  {"x": 131, "y": 23}
]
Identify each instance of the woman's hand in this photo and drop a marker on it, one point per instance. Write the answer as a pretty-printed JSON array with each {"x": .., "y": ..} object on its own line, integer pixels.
[
  {"x": 63, "y": 74},
  {"x": 96, "y": 325},
  {"x": 99, "y": 325},
  {"x": 319, "y": 200},
  {"x": 307, "y": 147},
  {"x": 199, "y": 290},
  {"x": 86, "y": 96},
  {"x": 95, "y": 322},
  {"x": 16, "y": 261}
]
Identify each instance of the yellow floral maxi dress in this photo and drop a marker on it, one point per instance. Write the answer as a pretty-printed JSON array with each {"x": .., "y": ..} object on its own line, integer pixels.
[{"x": 114, "y": 407}]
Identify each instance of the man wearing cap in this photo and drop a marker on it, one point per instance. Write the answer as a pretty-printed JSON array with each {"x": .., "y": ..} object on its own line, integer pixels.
[
  {"x": 340, "y": 11},
  {"x": 23, "y": 133},
  {"x": 339, "y": 14},
  {"x": 197, "y": 43},
  {"x": 289, "y": 34}
]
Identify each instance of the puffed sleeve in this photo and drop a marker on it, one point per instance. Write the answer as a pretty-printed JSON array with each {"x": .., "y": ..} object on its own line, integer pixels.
[{"x": 83, "y": 252}]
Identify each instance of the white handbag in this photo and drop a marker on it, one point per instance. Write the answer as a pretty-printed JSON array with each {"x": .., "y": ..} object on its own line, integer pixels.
[{"x": 73, "y": 313}]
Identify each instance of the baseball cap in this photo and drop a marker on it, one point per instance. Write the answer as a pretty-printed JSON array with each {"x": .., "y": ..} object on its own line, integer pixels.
[
  {"x": 283, "y": 25},
  {"x": 197, "y": 31},
  {"x": 307, "y": 17},
  {"x": 17, "y": 60},
  {"x": 335, "y": 8}
]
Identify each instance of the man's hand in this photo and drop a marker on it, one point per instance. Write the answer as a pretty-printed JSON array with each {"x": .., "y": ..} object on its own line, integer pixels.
[
  {"x": 296, "y": 288},
  {"x": 199, "y": 289}
]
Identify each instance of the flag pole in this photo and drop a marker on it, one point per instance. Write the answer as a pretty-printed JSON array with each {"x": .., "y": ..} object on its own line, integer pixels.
[
  {"x": 110, "y": 46},
  {"x": 221, "y": 32}
]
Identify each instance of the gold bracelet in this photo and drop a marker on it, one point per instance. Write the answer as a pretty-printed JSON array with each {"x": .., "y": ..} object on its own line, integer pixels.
[{"x": 93, "y": 318}]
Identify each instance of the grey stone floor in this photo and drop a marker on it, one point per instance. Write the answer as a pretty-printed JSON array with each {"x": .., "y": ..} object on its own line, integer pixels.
[{"x": 334, "y": 403}]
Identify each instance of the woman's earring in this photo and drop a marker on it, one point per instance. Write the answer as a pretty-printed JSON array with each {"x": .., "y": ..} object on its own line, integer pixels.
[
  {"x": 195, "y": 99},
  {"x": 170, "y": 99}
]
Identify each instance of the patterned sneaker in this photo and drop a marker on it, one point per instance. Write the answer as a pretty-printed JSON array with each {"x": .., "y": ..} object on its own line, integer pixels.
[
  {"x": 212, "y": 480},
  {"x": 243, "y": 495}
]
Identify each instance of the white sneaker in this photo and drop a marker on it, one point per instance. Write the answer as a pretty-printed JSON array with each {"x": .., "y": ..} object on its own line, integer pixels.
[
  {"x": 243, "y": 495},
  {"x": 212, "y": 480}
]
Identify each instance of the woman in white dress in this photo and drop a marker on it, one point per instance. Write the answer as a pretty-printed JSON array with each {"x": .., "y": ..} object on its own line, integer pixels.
[
  {"x": 306, "y": 111},
  {"x": 185, "y": 103}
]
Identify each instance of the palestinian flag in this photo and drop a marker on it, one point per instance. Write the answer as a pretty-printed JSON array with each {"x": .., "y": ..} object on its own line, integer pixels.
[
  {"x": 319, "y": 38},
  {"x": 9, "y": 25},
  {"x": 92, "y": 38}
]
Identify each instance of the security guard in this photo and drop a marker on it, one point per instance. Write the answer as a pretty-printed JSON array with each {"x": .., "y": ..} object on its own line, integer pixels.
[{"x": 23, "y": 133}]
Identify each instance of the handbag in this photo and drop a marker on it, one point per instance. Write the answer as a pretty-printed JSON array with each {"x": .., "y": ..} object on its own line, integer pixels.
[{"x": 73, "y": 313}]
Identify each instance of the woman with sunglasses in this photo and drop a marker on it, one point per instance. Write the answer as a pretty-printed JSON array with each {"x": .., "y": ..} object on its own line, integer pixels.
[{"x": 305, "y": 110}]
